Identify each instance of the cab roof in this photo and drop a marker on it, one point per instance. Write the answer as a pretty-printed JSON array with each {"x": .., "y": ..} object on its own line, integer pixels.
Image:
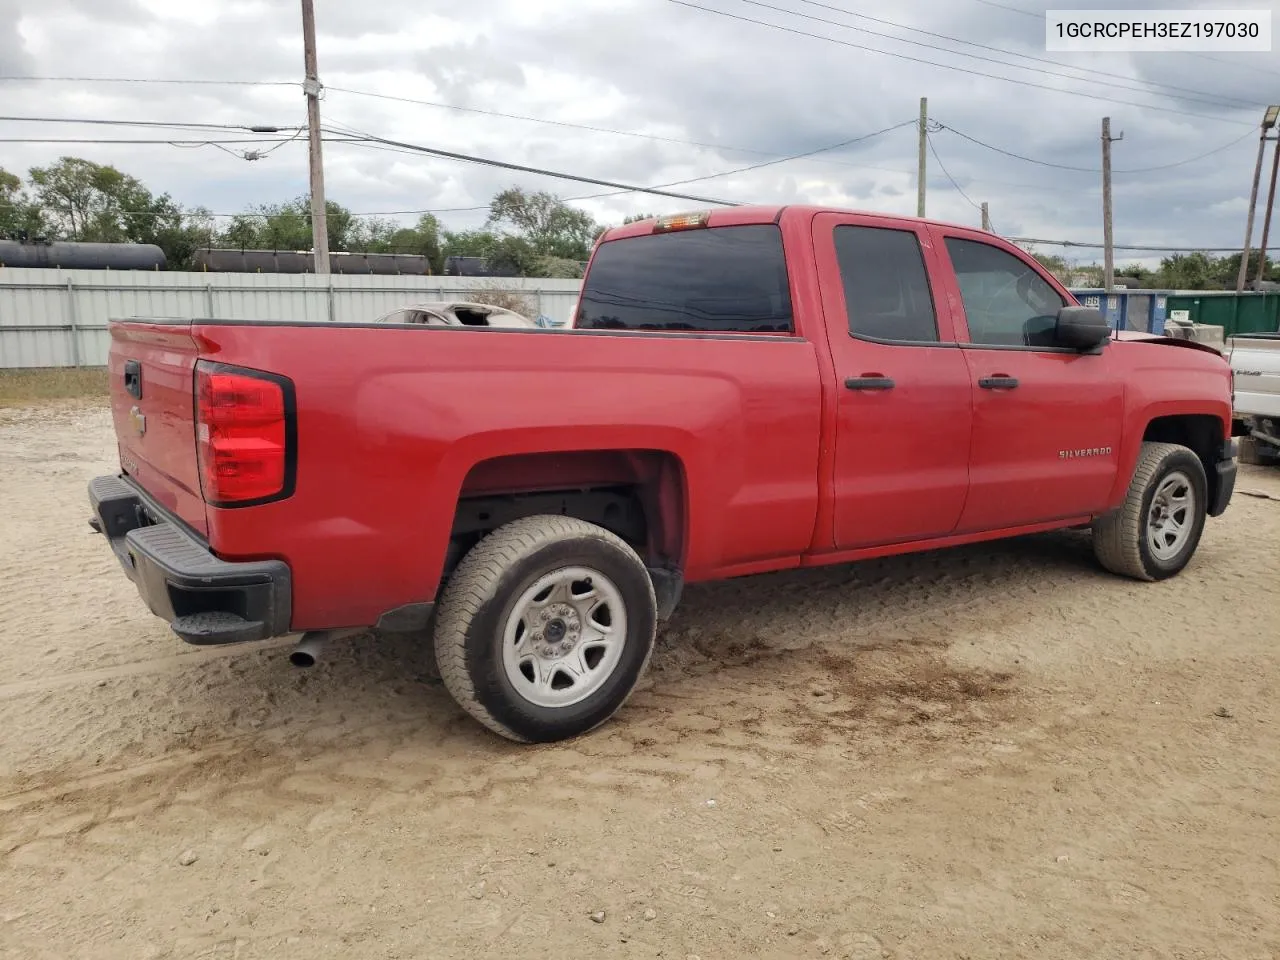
[{"x": 759, "y": 214}]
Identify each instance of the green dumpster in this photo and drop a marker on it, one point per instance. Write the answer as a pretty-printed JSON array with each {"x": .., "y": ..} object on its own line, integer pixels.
[{"x": 1234, "y": 312}]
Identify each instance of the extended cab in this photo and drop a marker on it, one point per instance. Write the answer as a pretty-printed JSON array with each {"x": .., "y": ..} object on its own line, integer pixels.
[{"x": 745, "y": 390}]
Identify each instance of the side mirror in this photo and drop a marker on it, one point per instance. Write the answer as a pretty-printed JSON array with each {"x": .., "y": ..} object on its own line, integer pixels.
[{"x": 1081, "y": 328}]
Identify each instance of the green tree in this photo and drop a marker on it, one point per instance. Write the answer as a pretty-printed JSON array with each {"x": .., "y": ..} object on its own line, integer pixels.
[
  {"x": 1190, "y": 271},
  {"x": 1147, "y": 278},
  {"x": 20, "y": 215},
  {"x": 1226, "y": 270},
  {"x": 287, "y": 226},
  {"x": 82, "y": 199},
  {"x": 545, "y": 222},
  {"x": 470, "y": 243},
  {"x": 1055, "y": 264},
  {"x": 422, "y": 239},
  {"x": 96, "y": 203}
]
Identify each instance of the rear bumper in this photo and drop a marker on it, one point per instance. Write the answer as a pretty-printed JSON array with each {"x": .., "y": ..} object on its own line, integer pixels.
[
  {"x": 1226, "y": 478},
  {"x": 204, "y": 599}
]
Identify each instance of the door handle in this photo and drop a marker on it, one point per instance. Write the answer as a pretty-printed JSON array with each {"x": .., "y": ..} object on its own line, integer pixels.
[
  {"x": 998, "y": 382},
  {"x": 133, "y": 379},
  {"x": 869, "y": 383}
]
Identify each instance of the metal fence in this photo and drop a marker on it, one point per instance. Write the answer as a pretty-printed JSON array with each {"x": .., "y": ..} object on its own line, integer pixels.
[{"x": 58, "y": 318}]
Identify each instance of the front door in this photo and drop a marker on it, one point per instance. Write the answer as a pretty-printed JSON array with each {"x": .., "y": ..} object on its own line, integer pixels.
[
  {"x": 1046, "y": 421},
  {"x": 903, "y": 401}
]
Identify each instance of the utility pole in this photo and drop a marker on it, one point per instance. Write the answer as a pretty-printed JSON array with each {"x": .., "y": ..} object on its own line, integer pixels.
[
  {"x": 1269, "y": 120},
  {"x": 986, "y": 217},
  {"x": 924, "y": 134},
  {"x": 1108, "y": 251},
  {"x": 319, "y": 222},
  {"x": 1266, "y": 219}
]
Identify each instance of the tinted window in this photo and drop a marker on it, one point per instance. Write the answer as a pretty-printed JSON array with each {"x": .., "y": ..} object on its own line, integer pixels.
[
  {"x": 886, "y": 288},
  {"x": 722, "y": 279},
  {"x": 1006, "y": 302}
]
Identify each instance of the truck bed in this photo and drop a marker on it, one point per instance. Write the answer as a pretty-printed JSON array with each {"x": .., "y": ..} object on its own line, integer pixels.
[{"x": 386, "y": 413}]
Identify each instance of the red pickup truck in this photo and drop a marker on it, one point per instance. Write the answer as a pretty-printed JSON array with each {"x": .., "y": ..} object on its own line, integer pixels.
[{"x": 745, "y": 390}]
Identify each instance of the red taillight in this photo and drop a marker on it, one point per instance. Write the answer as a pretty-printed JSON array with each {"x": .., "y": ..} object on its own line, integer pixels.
[{"x": 242, "y": 435}]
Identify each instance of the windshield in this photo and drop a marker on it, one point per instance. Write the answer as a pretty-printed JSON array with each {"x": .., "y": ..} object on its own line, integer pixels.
[{"x": 722, "y": 280}]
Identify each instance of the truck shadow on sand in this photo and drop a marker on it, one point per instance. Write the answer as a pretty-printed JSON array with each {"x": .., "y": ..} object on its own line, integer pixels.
[
  {"x": 843, "y": 658},
  {"x": 870, "y": 638}
]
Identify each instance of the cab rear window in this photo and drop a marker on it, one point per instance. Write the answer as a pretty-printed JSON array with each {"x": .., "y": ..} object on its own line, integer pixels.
[{"x": 716, "y": 280}]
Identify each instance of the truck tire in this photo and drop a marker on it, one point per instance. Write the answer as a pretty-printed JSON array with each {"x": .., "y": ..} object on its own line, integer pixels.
[
  {"x": 545, "y": 628},
  {"x": 1156, "y": 532}
]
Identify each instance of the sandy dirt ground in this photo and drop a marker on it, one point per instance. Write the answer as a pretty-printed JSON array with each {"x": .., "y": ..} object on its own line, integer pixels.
[{"x": 989, "y": 752}]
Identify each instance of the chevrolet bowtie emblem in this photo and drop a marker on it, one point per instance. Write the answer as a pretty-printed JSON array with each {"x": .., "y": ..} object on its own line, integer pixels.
[{"x": 139, "y": 420}]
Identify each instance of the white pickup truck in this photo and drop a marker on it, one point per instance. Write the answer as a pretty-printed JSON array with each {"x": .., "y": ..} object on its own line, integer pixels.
[{"x": 1255, "y": 362}]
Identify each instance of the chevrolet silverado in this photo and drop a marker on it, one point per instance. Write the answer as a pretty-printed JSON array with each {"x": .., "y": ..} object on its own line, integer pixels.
[{"x": 743, "y": 390}]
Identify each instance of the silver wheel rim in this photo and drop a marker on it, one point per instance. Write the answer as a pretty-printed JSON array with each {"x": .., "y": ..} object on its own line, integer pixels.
[
  {"x": 1171, "y": 517},
  {"x": 564, "y": 637}
]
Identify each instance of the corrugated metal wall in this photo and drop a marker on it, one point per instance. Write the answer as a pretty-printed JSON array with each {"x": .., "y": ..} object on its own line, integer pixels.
[{"x": 58, "y": 318}]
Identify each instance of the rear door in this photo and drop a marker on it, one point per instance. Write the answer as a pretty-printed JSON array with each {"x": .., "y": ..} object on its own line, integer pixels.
[
  {"x": 902, "y": 386},
  {"x": 152, "y": 370},
  {"x": 1047, "y": 421}
]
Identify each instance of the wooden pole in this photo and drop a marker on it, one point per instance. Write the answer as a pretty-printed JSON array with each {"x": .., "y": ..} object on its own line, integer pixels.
[
  {"x": 1253, "y": 203},
  {"x": 1266, "y": 217},
  {"x": 921, "y": 174},
  {"x": 1108, "y": 251},
  {"x": 319, "y": 220}
]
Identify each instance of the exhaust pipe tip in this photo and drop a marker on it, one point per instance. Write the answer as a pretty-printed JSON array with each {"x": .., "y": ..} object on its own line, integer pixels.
[
  {"x": 309, "y": 648},
  {"x": 302, "y": 658},
  {"x": 307, "y": 653}
]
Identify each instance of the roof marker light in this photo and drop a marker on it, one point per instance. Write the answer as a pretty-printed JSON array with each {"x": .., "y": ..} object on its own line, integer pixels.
[{"x": 682, "y": 221}]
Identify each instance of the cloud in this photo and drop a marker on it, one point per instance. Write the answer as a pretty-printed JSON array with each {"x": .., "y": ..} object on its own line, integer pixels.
[{"x": 664, "y": 78}]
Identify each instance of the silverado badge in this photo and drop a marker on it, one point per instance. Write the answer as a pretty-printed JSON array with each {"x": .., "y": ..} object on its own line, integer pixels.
[
  {"x": 1086, "y": 452},
  {"x": 139, "y": 420}
]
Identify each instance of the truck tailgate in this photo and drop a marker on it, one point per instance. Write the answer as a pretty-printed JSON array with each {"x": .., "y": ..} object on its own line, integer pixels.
[{"x": 152, "y": 370}]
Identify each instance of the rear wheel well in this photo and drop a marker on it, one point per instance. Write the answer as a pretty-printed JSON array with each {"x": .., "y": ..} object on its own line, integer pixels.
[
  {"x": 1201, "y": 433},
  {"x": 637, "y": 495}
]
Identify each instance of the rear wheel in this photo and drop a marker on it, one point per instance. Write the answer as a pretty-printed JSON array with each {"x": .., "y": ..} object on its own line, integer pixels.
[
  {"x": 545, "y": 628},
  {"x": 1156, "y": 532}
]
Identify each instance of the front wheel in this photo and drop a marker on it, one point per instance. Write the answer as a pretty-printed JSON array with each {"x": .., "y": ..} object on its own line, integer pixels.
[
  {"x": 1156, "y": 532},
  {"x": 545, "y": 628}
]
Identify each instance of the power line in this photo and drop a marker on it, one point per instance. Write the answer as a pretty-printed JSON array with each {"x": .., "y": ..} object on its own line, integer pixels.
[
  {"x": 554, "y": 123},
  {"x": 1001, "y": 6},
  {"x": 176, "y": 81},
  {"x": 1236, "y": 63},
  {"x": 540, "y": 171},
  {"x": 947, "y": 66},
  {"x": 711, "y": 176},
  {"x": 615, "y": 193},
  {"x": 1199, "y": 56},
  {"x": 1195, "y": 94},
  {"x": 255, "y": 128},
  {"x": 592, "y": 128},
  {"x": 1062, "y": 166},
  {"x": 1139, "y": 248},
  {"x": 1216, "y": 102},
  {"x": 171, "y": 143},
  {"x": 1123, "y": 246},
  {"x": 942, "y": 167}
]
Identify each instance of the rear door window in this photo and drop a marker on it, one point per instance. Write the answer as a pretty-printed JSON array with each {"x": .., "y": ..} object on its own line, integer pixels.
[
  {"x": 715, "y": 280},
  {"x": 886, "y": 287}
]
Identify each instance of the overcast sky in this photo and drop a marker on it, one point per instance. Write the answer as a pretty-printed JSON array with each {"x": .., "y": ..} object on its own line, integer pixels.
[{"x": 669, "y": 72}]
